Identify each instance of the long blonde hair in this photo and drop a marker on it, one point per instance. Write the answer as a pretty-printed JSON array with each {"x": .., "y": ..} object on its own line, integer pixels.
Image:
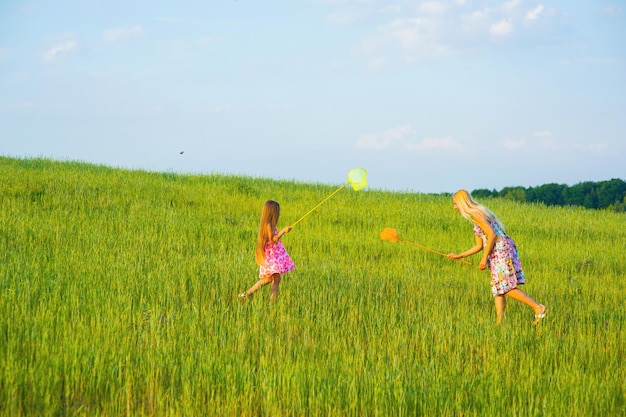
[
  {"x": 269, "y": 219},
  {"x": 470, "y": 209}
]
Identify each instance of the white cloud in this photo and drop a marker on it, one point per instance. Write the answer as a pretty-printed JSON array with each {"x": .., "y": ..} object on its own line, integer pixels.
[
  {"x": 378, "y": 63},
  {"x": 407, "y": 31},
  {"x": 511, "y": 4},
  {"x": 432, "y": 7},
  {"x": 415, "y": 37},
  {"x": 349, "y": 12},
  {"x": 478, "y": 15},
  {"x": 437, "y": 28},
  {"x": 562, "y": 146},
  {"x": 514, "y": 144},
  {"x": 384, "y": 139},
  {"x": 122, "y": 34},
  {"x": 441, "y": 30},
  {"x": 544, "y": 141},
  {"x": 502, "y": 28},
  {"x": 534, "y": 13},
  {"x": 543, "y": 134},
  {"x": 59, "y": 50},
  {"x": 612, "y": 10},
  {"x": 60, "y": 37},
  {"x": 402, "y": 136},
  {"x": 447, "y": 143}
]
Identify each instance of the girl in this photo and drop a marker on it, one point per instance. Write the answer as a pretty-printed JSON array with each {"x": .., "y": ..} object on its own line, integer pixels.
[
  {"x": 500, "y": 254},
  {"x": 271, "y": 256}
]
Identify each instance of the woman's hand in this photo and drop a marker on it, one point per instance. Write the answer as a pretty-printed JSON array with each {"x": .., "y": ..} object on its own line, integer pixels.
[{"x": 483, "y": 264}]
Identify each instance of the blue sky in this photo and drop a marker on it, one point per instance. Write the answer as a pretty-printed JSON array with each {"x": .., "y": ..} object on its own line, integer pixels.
[{"x": 428, "y": 96}]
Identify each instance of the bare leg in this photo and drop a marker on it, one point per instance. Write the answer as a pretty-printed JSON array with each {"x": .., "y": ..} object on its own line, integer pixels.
[
  {"x": 520, "y": 295},
  {"x": 275, "y": 284},
  {"x": 500, "y": 301},
  {"x": 260, "y": 283}
]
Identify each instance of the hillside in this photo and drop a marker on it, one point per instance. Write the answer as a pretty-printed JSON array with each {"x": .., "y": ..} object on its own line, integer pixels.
[{"x": 118, "y": 293}]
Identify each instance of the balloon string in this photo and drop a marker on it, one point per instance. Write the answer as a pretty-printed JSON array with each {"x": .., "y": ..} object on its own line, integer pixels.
[
  {"x": 432, "y": 250},
  {"x": 322, "y": 202}
]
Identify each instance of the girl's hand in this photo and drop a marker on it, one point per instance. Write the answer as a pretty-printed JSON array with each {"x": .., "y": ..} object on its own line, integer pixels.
[
  {"x": 280, "y": 234},
  {"x": 454, "y": 256}
]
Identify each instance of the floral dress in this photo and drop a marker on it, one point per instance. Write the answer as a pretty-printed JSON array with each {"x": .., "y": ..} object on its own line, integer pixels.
[
  {"x": 503, "y": 261},
  {"x": 277, "y": 260}
]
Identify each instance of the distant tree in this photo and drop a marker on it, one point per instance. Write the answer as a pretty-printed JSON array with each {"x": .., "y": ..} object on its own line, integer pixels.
[
  {"x": 514, "y": 193},
  {"x": 483, "y": 192},
  {"x": 611, "y": 192},
  {"x": 582, "y": 194},
  {"x": 549, "y": 194},
  {"x": 620, "y": 206},
  {"x": 591, "y": 200},
  {"x": 609, "y": 195}
]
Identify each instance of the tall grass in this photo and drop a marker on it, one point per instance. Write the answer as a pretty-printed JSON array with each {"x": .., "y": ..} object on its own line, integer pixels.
[{"x": 118, "y": 297}]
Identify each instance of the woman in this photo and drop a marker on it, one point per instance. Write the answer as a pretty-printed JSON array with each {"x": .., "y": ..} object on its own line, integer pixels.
[{"x": 500, "y": 255}]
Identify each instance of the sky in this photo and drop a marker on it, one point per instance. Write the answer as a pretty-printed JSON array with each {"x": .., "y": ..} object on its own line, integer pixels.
[{"x": 427, "y": 96}]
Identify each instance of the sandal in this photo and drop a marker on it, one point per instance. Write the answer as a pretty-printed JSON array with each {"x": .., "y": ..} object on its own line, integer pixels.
[
  {"x": 540, "y": 316},
  {"x": 243, "y": 295}
]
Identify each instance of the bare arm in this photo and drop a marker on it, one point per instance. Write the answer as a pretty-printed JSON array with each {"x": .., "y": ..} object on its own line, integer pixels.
[
  {"x": 276, "y": 237},
  {"x": 478, "y": 246},
  {"x": 491, "y": 240}
]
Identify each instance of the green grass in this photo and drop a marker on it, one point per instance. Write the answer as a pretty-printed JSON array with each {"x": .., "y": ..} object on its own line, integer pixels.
[{"x": 118, "y": 297}]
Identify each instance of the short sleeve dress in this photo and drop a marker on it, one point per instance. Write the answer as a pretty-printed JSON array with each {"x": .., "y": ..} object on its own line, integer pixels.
[
  {"x": 277, "y": 260},
  {"x": 503, "y": 261}
]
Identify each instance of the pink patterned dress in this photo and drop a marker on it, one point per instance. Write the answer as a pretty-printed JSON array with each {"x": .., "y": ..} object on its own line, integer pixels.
[
  {"x": 277, "y": 260},
  {"x": 503, "y": 261}
]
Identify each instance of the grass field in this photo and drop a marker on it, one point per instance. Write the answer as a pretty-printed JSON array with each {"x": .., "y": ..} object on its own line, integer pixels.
[{"x": 118, "y": 297}]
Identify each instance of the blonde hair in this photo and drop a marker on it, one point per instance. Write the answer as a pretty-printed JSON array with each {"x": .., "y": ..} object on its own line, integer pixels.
[
  {"x": 470, "y": 209},
  {"x": 269, "y": 219}
]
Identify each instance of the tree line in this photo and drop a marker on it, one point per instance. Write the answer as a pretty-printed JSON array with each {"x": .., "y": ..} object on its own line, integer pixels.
[{"x": 608, "y": 195}]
